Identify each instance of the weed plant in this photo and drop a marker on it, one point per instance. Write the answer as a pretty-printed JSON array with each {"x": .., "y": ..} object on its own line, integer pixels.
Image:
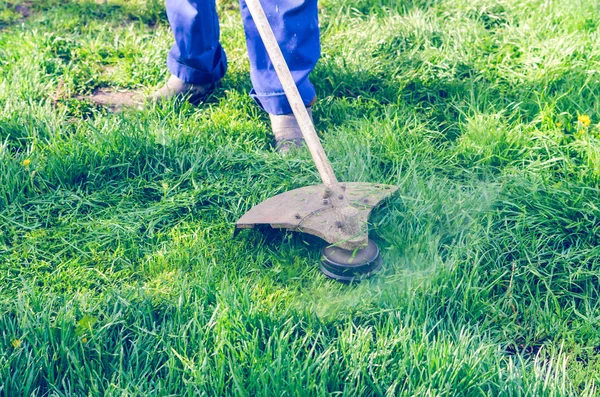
[{"x": 118, "y": 271}]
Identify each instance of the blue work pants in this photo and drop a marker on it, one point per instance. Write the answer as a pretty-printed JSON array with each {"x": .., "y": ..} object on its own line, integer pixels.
[{"x": 198, "y": 57}]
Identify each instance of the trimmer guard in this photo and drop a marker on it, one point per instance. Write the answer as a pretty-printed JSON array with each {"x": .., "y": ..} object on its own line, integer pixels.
[{"x": 306, "y": 210}]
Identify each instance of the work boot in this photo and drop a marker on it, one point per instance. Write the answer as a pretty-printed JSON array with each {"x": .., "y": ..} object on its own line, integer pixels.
[
  {"x": 177, "y": 88},
  {"x": 286, "y": 130}
]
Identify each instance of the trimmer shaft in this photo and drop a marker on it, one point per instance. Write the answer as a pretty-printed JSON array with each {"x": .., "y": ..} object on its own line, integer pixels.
[{"x": 351, "y": 265}]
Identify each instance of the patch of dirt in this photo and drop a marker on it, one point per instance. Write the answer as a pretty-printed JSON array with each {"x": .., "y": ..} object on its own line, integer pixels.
[
  {"x": 23, "y": 10},
  {"x": 116, "y": 101},
  {"x": 16, "y": 14}
]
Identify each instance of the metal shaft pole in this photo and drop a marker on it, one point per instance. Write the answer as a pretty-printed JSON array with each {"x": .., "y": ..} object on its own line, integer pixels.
[{"x": 292, "y": 94}]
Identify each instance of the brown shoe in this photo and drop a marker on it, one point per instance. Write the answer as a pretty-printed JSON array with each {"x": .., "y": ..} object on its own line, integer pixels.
[
  {"x": 286, "y": 130},
  {"x": 177, "y": 88}
]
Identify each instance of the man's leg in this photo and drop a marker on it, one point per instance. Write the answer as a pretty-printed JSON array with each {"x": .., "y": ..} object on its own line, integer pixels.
[
  {"x": 296, "y": 27},
  {"x": 196, "y": 60}
]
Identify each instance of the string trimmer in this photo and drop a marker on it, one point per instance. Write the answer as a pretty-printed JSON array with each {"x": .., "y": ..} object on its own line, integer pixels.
[{"x": 336, "y": 212}]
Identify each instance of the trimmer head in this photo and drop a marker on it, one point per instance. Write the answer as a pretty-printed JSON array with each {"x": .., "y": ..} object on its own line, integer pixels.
[
  {"x": 349, "y": 265},
  {"x": 314, "y": 210}
]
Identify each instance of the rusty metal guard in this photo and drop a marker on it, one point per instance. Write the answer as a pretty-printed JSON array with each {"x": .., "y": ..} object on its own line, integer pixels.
[{"x": 306, "y": 210}]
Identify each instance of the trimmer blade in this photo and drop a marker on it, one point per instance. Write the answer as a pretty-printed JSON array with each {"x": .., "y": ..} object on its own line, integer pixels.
[{"x": 307, "y": 210}]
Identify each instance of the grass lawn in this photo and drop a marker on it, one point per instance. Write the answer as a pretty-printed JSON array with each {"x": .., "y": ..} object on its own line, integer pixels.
[{"x": 119, "y": 275}]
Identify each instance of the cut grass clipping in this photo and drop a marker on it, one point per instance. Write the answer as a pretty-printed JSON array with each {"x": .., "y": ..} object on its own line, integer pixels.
[{"x": 118, "y": 272}]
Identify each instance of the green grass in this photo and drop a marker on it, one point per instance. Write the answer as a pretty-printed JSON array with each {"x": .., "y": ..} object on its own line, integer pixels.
[{"x": 118, "y": 271}]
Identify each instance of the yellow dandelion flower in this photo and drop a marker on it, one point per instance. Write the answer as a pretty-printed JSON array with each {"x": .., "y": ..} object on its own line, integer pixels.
[
  {"x": 84, "y": 340},
  {"x": 584, "y": 120},
  {"x": 16, "y": 343},
  {"x": 26, "y": 162},
  {"x": 558, "y": 124}
]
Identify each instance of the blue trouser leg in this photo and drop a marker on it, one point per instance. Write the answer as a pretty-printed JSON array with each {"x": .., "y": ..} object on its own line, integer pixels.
[
  {"x": 296, "y": 27},
  {"x": 197, "y": 56}
]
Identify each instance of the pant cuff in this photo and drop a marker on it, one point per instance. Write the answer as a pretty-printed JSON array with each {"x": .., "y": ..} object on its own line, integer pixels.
[
  {"x": 195, "y": 76},
  {"x": 277, "y": 103}
]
